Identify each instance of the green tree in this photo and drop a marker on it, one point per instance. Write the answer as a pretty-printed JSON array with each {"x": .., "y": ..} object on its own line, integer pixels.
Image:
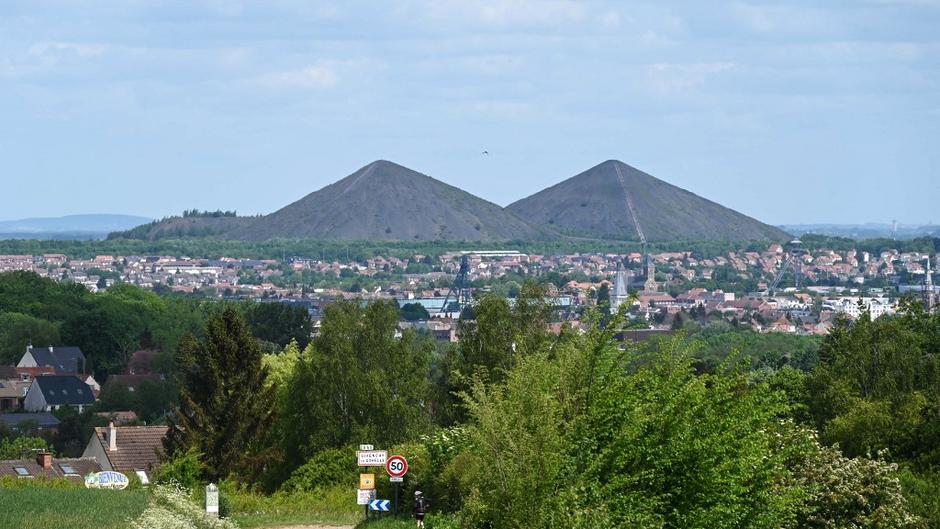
[
  {"x": 414, "y": 312},
  {"x": 361, "y": 383},
  {"x": 877, "y": 386},
  {"x": 225, "y": 406},
  {"x": 20, "y": 447},
  {"x": 19, "y": 330},
  {"x": 279, "y": 323}
]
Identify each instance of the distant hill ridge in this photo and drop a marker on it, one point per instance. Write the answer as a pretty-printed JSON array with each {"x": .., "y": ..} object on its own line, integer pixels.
[{"x": 386, "y": 201}]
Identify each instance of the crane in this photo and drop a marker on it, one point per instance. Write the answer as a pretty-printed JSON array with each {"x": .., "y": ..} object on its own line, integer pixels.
[{"x": 795, "y": 253}]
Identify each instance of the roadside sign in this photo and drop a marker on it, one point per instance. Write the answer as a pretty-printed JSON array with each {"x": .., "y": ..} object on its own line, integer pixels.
[
  {"x": 366, "y": 447},
  {"x": 107, "y": 480},
  {"x": 372, "y": 458},
  {"x": 396, "y": 466},
  {"x": 379, "y": 505},
  {"x": 366, "y": 481},
  {"x": 212, "y": 500},
  {"x": 396, "y": 480},
  {"x": 364, "y": 497}
]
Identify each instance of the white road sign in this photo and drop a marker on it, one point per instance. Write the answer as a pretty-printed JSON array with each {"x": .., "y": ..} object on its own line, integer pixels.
[
  {"x": 366, "y": 447},
  {"x": 363, "y": 497},
  {"x": 372, "y": 458}
]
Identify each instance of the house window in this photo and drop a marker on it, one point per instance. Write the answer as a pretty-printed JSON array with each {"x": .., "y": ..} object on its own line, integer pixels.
[
  {"x": 79, "y": 391},
  {"x": 68, "y": 470},
  {"x": 144, "y": 480},
  {"x": 22, "y": 472}
]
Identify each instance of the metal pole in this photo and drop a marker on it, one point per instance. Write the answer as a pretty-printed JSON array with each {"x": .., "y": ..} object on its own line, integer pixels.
[{"x": 396, "y": 498}]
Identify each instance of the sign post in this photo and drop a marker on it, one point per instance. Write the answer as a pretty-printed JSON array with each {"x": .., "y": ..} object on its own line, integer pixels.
[
  {"x": 212, "y": 500},
  {"x": 371, "y": 458},
  {"x": 367, "y": 456},
  {"x": 397, "y": 467}
]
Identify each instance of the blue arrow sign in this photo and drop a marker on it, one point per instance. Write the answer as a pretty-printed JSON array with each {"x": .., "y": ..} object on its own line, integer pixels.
[{"x": 379, "y": 505}]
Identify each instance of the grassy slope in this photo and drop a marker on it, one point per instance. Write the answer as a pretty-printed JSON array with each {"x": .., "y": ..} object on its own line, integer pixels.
[
  {"x": 334, "y": 506},
  {"x": 69, "y": 508}
]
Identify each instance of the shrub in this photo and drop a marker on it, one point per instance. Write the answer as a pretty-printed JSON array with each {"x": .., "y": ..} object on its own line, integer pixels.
[
  {"x": 334, "y": 466},
  {"x": 172, "y": 508},
  {"x": 185, "y": 470}
]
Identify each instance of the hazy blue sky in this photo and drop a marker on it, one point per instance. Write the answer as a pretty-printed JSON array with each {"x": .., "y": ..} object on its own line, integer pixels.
[{"x": 786, "y": 111}]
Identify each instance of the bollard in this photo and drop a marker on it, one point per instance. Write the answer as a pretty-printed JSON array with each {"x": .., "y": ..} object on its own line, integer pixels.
[{"x": 212, "y": 500}]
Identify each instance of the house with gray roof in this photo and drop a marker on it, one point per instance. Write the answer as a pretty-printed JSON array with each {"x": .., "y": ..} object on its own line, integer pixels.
[
  {"x": 64, "y": 359},
  {"x": 48, "y": 467},
  {"x": 51, "y": 392},
  {"x": 20, "y": 421}
]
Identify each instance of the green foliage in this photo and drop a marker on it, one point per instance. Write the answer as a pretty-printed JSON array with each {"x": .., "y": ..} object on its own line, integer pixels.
[
  {"x": 491, "y": 343},
  {"x": 878, "y": 386},
  {"x": 360, "y": 383},
  {"x": 19, "y": 330},
  {"x": 107, "y": 326},
  {"x": 330, "y": 506},
  {"x": 226, "y": 407},
  {"x": 172, "y": 507},
  {"x": 19, "y": 447},
  {"x": 587, "y": 435},
  {"x": 279, "y": 323},
  {"x": 151, "y": 400},
  {"x": 922, "y": 491},
  {"x": 74, "y": 430},
  {"x": 414, "y": 312},
  {"x": 328, "y": 468},
  {"x": 759, "y": 350},
  {"x": 184, "y": 469},
  {"x": 843, "y": 492}
]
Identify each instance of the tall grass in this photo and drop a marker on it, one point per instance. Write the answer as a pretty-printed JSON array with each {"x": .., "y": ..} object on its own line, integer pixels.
[
  {"x": 332, "y": 506},
  {"x": 37, "y": 504}
]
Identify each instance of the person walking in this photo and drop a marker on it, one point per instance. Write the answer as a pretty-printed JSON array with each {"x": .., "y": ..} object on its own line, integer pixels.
[{"x": 420, "y": 508}]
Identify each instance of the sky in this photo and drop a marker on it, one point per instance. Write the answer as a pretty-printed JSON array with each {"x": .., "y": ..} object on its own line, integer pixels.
[{"x": 791, "y": 111}]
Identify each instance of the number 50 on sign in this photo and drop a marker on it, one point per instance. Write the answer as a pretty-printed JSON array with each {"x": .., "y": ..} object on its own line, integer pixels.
[{"x": 396, "y": 466}]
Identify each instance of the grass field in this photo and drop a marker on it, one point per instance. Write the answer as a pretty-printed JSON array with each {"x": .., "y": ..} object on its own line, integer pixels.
[
  {"x": 69, "y": 508},
  {"x": 334, "y": 506},
  {"x": 58, "y": 505}
]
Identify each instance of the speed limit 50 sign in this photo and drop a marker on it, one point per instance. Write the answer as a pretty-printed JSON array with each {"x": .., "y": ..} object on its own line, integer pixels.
[{"x": 396, "y": 466}]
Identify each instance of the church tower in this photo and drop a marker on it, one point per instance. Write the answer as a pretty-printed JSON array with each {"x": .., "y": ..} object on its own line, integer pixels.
[
  {"x": 621, "y": 288},
  {"x": 650, "y": 284},
  {"x": 930, "y": 297}
]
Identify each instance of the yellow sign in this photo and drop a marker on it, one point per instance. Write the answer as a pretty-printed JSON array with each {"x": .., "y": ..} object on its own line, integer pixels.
[{"x": 366, "y": 481}]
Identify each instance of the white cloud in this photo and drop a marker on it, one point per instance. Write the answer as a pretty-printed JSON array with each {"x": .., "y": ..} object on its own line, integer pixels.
[
  {"x": 610, "y": 19},
  {"x": 316, "y": 76},
  {"x": 58, "y": 50},
  {"x": 504, "y": 13},
  {"x": 666, "y": 78},
  {"x": 498, "y": 108}
]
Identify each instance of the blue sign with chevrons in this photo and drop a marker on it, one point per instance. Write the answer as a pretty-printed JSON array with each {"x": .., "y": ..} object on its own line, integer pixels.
[{"x": 379, "y": 505}]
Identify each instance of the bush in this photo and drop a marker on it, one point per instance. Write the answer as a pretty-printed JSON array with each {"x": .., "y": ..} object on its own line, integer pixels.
[
  {"x": 334, "y": 466},
  {"x": 185, "y": 470},
  {"x": 922, "y": 490},
  {"x": 171, "y": 507}
]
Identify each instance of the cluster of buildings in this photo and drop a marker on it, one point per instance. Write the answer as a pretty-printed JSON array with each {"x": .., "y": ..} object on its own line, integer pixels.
[
  {"x": 738, "y": 285},
  {"x": 47, "y": 379}
]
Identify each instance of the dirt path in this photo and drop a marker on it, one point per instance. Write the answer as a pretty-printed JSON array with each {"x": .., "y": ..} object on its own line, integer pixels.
[{"x": 315, "y": 527}]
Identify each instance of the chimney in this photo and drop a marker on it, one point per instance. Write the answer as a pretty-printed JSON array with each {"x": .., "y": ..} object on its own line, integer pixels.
[
  {"x": 44, "y": 459},
  {"x": 112, "y": 437}
]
